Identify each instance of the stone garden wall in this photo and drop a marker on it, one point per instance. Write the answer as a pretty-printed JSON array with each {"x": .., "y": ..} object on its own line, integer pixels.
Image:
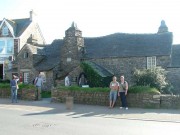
[
  {"x": 102, "y": 98},
  {"x": 24, "y": 94}
]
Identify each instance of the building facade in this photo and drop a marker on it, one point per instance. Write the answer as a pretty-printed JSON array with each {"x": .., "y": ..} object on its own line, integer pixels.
[
  {"x": 14, "y": 34},
  {"x": 116, "y": 54}
]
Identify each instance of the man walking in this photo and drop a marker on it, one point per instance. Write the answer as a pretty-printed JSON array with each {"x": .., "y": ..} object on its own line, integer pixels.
[{"x": 38, "y": 83}]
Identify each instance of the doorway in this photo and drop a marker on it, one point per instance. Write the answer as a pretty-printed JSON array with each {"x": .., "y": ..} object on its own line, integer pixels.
[{"x": 1, "y": 71}]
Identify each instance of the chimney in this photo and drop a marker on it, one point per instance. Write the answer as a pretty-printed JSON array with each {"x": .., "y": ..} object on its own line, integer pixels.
[
  {"x": 31, "y": 15},
  {"x": 163, "y": 28}
]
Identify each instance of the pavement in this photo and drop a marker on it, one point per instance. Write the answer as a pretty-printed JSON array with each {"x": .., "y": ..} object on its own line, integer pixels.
[{"x": 46, "y": 107}]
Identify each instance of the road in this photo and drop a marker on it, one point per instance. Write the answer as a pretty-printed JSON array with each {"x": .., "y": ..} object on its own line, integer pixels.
[{"x": 41, "y": 118}]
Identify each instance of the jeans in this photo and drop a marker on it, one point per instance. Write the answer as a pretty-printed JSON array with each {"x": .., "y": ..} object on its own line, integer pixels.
[
  {"x": 13, "y": 94},
  {"x": 113, "y": 95},
  {"x": 38, "y": 93},
  {"x": 123, "y": 99}
]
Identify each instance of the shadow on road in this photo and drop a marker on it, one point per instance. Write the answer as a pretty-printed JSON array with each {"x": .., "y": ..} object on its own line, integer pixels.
[{"x": 45, "y": 107}]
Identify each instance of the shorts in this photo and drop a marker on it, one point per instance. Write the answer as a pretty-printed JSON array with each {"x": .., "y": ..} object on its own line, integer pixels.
[{"x": 113, "y": 95}]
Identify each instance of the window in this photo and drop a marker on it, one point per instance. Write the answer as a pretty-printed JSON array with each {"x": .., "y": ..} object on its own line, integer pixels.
[
  {"x": 9, "y": 47},
  {"x": 26, "y": 77},
  {"x": 26, "y": 55},
  {"x": 6, "y": 46},
  {"x": 5, "y": 31},
  {"x": 151, "y": 62},
  {"x": 68, "y": 59}
]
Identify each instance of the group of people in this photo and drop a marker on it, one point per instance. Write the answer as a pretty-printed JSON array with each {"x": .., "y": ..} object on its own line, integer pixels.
[
  {"x": 118, "y": 89},
  {"x": 38, "y": 82}
]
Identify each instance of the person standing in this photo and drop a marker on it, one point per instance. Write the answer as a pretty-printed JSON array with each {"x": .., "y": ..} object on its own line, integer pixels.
[
  {"x": 14, "y": 88},
  {"x": 67, "y": 80},
  {"x": 123, "y": 89},
  {"x": 114, "y": 86},
  {"x": 38, "y": 83}
]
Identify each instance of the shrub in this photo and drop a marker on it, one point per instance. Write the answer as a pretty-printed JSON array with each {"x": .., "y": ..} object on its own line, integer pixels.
[
  {"x": 169, "y": 89},
  {"x": 46, "y": 94},
  {"x": 155, "y": 77},
  {"x": 143, "y": 89},
  {"x": 77, "y": 88},
  {"x": 133, "y": 89},
  {"x": 94, "y": 79},
  {"x": 4, "y": 85},
  {"x": 27, "y": 86},
  {"x": 4, "y": 81}
]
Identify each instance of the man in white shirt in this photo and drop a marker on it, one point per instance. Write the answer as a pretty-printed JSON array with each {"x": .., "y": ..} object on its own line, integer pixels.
[{"x": 38, "y": 83}]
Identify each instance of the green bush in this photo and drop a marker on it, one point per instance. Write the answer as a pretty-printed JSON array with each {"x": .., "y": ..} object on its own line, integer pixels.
[
  {"x": 143, "y": 89},
  {"x": 4, "y": 81},
  {"x": 46, "y": 94},
  {"x": 4, "y": 85},
  {"x": 94, "y": 79},
  {"x": 169, "y": 89},
  {"x": 26, "y": 86},
  {"x": 133, "y": 89},
  {"x": 77, "y": 88},
  {"x": 155, "y": 77},
  {"x": 22, "y": 85}
]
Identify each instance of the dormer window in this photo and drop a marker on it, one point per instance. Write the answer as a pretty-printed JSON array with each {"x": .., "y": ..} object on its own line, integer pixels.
[
  {"x": 26, "y": 55},
  {"x": 5, "y": 31}
]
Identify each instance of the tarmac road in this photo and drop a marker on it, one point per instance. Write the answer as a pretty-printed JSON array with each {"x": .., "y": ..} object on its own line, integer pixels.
[{"x": 45, "y": 118}]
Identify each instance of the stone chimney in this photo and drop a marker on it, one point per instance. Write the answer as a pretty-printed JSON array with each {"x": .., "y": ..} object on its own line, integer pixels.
[
  {"x": 31, "y": 15},
  {"x": 163, "y": 28}
]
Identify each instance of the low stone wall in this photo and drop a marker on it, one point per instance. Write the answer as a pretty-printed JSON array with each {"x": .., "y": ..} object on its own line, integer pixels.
[
  {"x": 24, "y": 94},
  {"x": 170, "y": 101},
  {"x": 5, "y": 93},
  {"x": 102, "y": 98},
  {"x": 143, "y": 100},
  {"x": 28, "y": 94}
]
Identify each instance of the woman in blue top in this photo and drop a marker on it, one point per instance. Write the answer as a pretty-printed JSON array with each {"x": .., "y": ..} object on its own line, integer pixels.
[{"x": 14, "y": 88}]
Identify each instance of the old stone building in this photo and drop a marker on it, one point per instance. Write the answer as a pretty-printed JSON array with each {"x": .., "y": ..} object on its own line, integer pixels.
[
  {"x": 116, "y": 54},
  {"x": 14, "y": 34}
]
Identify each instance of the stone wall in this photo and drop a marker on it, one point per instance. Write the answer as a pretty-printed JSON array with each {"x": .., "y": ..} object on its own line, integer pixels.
[
  {"x": 173, "y": 76},
  {"x": 24, "y": 94},
  {"x": 170, "y": 101},
  {"x": 102, "y": 98},
  {"x": 126, "y": 65}
]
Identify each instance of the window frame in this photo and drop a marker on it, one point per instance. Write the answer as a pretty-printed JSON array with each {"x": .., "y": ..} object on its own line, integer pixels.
[
  {"x": 26, "y": 55},
  {"x": 5, "y": 31},
  {"x": 26, "y": 77},
  {"x": 151, "y": 62},
  {"x": 7, "y": 42}
]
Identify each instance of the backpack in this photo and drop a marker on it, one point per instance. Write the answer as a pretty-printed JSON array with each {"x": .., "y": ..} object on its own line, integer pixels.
[{"x": 33, "y": 81}]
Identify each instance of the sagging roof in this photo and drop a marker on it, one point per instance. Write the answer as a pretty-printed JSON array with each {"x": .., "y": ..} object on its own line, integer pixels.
[
  {"x": 128, "y": 45},
  {"x": 52, "y": 56}
]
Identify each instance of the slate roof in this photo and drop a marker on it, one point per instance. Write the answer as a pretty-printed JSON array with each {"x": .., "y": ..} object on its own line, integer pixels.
[
  {"x": 36, "y": 49},
  {"x": 52, "y": 56},
  {"x": 175, "y": 57},
  {"x": 128, "y": 45},
  {"x": 19, "y": 25}
]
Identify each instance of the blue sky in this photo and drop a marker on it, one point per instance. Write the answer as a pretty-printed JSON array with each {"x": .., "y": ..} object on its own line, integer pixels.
[{"x": 97, "y": 17}]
